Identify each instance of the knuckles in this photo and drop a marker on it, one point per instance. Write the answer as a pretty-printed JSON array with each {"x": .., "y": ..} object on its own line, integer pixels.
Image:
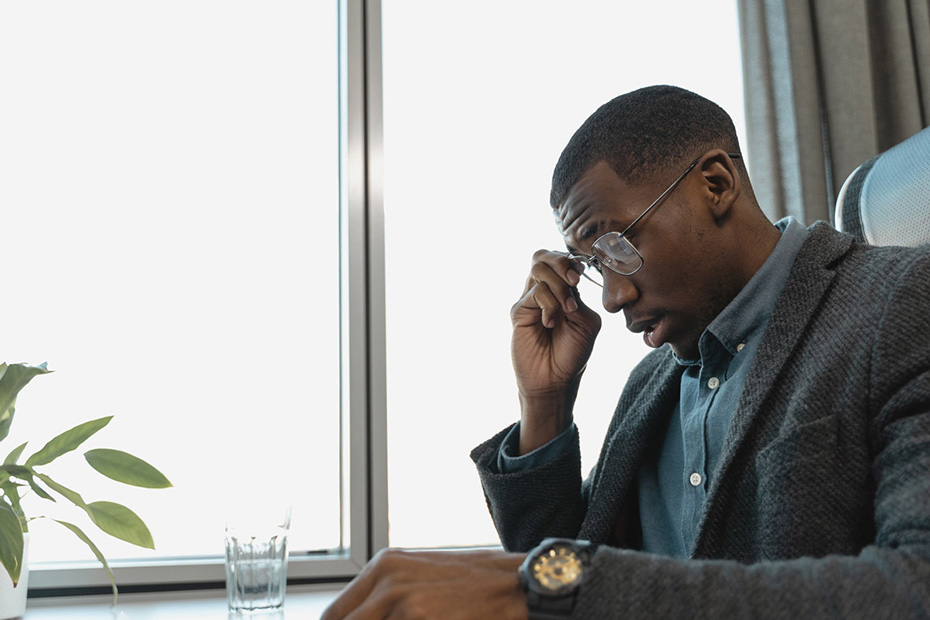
[
  {"x": 389, "y": 561},
  {"x": 541, "y": 253}
]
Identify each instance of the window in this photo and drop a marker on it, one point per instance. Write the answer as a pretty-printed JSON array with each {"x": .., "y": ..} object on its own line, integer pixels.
[
  {"x": 479, "y": 100},
  {"x": 170, "y": 191}
]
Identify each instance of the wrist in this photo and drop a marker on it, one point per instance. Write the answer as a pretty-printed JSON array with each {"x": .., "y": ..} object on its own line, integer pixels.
[{"x": 542, "y": 419}]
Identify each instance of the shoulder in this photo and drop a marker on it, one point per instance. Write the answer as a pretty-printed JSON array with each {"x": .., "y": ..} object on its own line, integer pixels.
[
  {"x": 861, "y": 277},
  {"x": 842, "y": 253},
  {"x": 879, "y": 300}
]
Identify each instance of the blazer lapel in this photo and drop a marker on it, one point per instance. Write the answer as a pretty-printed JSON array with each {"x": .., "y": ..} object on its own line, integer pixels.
[
  {"x": 626, "y": 449},
  {"x": 810, "y": 280}
]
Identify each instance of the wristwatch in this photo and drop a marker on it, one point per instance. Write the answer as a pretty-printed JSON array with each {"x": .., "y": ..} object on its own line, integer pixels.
[{"x": 552, "y": 574}]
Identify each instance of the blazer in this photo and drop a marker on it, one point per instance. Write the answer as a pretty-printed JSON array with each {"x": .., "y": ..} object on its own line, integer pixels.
[{"x": 820, "y": 505}]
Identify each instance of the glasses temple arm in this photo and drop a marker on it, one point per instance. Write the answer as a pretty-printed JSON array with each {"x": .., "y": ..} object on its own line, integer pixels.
[{"x": 664, "y": 194}]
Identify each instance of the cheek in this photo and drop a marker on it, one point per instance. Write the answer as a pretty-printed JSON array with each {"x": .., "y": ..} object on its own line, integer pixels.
[{"x": 679, "y": 277}]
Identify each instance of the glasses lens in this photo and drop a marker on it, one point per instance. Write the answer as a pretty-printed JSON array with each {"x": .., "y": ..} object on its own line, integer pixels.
[{"x": 615, "y": 252}]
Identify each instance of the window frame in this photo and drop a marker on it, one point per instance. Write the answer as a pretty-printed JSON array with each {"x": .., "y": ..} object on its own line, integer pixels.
[{"x": 363, "y": 430}]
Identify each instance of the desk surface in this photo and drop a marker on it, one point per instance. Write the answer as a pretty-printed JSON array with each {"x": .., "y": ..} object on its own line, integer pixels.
[{"x": 299, "y": 604}]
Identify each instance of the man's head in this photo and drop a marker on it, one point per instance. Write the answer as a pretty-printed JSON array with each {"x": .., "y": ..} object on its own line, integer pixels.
[
  {"x": 700, "y": 244},
  {"x": 643, "y": 133}
]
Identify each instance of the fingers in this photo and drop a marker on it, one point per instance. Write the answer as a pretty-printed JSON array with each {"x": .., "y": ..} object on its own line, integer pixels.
[
  {"x": 353, "y": 596},
  {"x": 554, "y": 268},
  {"x": 550, "y": 288},
  {"x": 425, "y": 585},
  {"x": 384, "y": 579}
]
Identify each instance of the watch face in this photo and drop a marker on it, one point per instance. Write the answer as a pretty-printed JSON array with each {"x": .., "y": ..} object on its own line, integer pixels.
[{"x": 556, "y": 570}]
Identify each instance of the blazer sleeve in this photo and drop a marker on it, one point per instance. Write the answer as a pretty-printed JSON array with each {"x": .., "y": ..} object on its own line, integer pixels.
[
  {"x": 552, "y": 499},
  {"x": 529, "y": 505}
]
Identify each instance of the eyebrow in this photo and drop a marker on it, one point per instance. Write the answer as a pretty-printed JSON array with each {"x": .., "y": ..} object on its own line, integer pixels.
[{"x": 590, "y": 230}]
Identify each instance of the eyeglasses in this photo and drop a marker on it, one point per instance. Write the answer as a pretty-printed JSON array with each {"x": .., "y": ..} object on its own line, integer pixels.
[{"x": 614, "y": 251}]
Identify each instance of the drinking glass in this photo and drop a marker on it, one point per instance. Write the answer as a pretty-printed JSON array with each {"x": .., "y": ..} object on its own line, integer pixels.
[{"x": 256, "y": 564}]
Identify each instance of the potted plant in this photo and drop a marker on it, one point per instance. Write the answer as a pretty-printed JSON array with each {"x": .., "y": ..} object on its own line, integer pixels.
[{"x": 20, "y": 477}]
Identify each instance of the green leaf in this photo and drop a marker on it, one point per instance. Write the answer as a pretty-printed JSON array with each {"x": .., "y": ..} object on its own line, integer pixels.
[
  {"x": 13, "y": 378},
  {"x": 38, "y": 490},
  {"x": 120, "y": 522},
  {"x": 67, "y": 493},
  {"x": 126, "y": 468},
  {"x": 67, "y": 441},
  {"x": 6, "y": 423},
  {"x": 13, "y": 456},
  {"x": 11, "y": 542},
  {"x": 87, "y": 541},
  {"x": 11, "y": 492},
  {"x": 16, "y": 470},
  {"x": 25, "y": 473}
]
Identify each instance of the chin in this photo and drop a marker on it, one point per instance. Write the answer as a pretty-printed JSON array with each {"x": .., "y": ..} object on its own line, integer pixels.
[{"x": 688, "y": 351}]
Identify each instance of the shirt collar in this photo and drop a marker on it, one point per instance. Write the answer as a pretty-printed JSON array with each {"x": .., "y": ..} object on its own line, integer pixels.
[{"x": 746, "y": 316}]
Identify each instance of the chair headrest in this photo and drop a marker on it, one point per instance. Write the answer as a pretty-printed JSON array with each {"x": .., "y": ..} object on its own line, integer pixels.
[{"x": 886, "y": 200}]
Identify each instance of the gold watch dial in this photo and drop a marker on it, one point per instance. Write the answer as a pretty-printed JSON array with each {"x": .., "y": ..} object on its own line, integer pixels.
[{"x": 557, "y": 568}]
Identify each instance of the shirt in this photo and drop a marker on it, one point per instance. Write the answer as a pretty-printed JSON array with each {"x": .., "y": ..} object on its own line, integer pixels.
[{"x": 673, "y": 481}]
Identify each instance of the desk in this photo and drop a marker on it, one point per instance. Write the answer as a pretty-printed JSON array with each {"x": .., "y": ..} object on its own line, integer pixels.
[{"x": 300, "y": 603}]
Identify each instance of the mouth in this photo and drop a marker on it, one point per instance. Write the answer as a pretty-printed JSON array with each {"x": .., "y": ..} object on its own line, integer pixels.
[{"x": 653, "y": 330}]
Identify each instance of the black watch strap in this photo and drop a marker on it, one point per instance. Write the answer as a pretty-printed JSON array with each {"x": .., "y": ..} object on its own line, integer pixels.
[{"x": 549, "y": 609}]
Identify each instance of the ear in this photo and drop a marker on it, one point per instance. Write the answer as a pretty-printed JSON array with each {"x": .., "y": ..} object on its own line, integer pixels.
[{"x": 721, "y": 182}]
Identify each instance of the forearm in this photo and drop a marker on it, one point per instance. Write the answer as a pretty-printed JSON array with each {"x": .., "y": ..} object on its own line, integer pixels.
[{"x": 879, "y": 583}]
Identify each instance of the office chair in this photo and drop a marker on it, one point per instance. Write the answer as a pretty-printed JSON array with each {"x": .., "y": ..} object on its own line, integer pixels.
[{"x": 886, "y": 200}]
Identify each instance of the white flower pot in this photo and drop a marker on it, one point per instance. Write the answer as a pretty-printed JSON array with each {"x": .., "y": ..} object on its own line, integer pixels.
[{"x": 13, "y": 600}]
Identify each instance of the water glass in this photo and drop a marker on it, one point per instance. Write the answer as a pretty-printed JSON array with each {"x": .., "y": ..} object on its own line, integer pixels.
[{"x": 256, "y": 566}]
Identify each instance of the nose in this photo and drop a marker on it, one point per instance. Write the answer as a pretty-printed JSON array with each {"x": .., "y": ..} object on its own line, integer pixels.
[{"x": 618, "y": 292}]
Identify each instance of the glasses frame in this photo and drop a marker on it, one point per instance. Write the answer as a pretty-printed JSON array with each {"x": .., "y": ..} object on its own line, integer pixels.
[{"x": 594, "y": 262}]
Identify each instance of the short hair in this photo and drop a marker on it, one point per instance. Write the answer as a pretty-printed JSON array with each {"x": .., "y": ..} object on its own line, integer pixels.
[{"x": 642, "y": 133}]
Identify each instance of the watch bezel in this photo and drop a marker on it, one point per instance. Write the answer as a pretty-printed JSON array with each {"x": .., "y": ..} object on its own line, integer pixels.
[{"x": 582, "y": 551}]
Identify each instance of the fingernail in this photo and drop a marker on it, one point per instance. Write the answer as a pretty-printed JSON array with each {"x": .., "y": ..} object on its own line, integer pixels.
[
  {"x": 571, "y": 305},
  {"x": 573, "y": 277}
]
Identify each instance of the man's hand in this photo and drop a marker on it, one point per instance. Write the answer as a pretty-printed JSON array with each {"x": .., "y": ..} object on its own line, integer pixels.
[
  {"x": 553, "y": 336},
  {"x": 434, "y": 585}
]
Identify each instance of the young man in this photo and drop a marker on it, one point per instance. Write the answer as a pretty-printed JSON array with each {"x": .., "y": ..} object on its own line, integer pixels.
[{"x": 769, "y": 459}]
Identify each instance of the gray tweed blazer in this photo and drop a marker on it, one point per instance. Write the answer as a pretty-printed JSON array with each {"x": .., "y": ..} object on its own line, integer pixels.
[{"x": 820, "y": 507}]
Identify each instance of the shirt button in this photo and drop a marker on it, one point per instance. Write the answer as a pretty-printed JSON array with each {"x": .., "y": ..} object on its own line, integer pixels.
[
  {"x": 713, "y": 383},
  {"x": 740, "y": 347},
  {"x": 695, "y": 479}
]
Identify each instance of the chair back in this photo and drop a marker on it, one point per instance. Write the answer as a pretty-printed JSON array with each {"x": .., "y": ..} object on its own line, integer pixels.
[{"x": 886, "y": 200}]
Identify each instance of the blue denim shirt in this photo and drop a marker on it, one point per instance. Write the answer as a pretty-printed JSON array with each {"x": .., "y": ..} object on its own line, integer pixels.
[{"x": 673, "y": 481}]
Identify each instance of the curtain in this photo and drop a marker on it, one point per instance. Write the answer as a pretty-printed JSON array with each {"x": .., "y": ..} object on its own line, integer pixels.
[{"x": 828, "y": 85}]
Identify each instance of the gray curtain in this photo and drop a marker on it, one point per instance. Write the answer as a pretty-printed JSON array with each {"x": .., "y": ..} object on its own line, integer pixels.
[{"x": 828, "y": 85}]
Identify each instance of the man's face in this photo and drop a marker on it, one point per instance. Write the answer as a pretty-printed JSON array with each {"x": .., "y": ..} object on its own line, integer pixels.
[{"x": 683, "y": 283}]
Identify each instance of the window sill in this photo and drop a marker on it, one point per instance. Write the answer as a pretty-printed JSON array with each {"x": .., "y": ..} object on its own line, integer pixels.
[{"x": 300, "y": 602}]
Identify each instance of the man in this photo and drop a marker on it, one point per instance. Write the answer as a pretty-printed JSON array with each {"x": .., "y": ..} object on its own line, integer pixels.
[{"x": 769, "y": 459}]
